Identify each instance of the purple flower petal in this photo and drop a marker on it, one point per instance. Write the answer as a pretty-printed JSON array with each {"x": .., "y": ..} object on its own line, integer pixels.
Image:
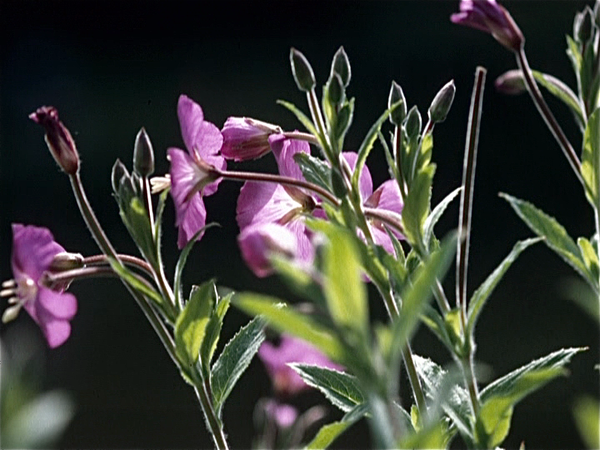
[
  {"x": 60, "y": 305},
  {"x": 282, "y": 414},
  {"x": 365, "y": 182},
  {"x": 263, "y": 202},
  {"x": 245, "y": 139},
  {"x": 56, "y": 332},
  {"x": 387, "y": 196},
  {"x": 284, "y": 150},
  {"x": 33, "y": 250}
]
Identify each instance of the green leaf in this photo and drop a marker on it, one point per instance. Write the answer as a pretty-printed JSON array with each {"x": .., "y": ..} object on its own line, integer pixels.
[
  {"x": 590, "y": 258},
  {"x": 235, "y": 359},
  {"x": 563, "y": 92},
  {"x": 299, "y": 280},
  {"x": 286, "y": 320},
  {"x": 314, "y": 170},
  {"x": 587, "y": 418},
  {"x": 436, "y": 214},
  {"x": 493, "y": 422},
  {"x": 481, "y": 295},
  {"x": 590, "y": 158},
  {"x": 554, "y": 234},
  {"x": 442, "y": 389},
  {"x": 367, "y": 145},
  {"x": 183, "y": 259},
  {"x": 137, "y": 220},
  {"x": 574, "y": 54},
  {"x": 330, "y": 432},
  {"x": 191, "y": 322},
  {"x": 160, "y": 209},
  {"x": 416, "y": 205},
  {"x": 340, "y": 388},
  {"x": 213, "y": 331},
  {"x": 136, "y": 282},
  {"x": 530, "y": 377},
  {"x": 344, "y": 290},
  {"x": 303, "y": 118}
]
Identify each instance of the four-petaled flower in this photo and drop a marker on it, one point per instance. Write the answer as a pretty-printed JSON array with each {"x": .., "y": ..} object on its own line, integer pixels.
[
  {"x": 261, "y": 203},
  {"x": 192, "y": 172},
  {"x": 492, "y": 18},
  {"x": 34, "y": 250},
  {"x": 286, "y": 381}
]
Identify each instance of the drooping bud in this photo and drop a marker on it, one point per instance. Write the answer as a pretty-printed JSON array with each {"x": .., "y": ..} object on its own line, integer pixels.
[
  {"x": 396, "y": 95},
  {"x": 302, "y": 71},
  {"x": 341, "y": 66},
  {"x": 245, "y": 138},
  {"x": 259, "y": 242},
  {"x": 66, "y": 261},
  {"x": 59, "y": 139},
  {"x": 492, "y": 18},
  {"x": 442, "y": 102},
  {"x": 143, "y": 154},
  {"x": 511, "y": 83},
  {"x": 413, "y": 122}
]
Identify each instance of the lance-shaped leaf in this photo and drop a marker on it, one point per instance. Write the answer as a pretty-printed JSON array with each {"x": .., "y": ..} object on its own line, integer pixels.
[
  {"x": 481, "y": 295},
  {"x": 590, "y": 159},
  {"x": 344, "y": 290},
  {"x": 235, "y": 359},
  {"x": 563, "y": 92},
  {"x": 436, "y": 214},
  {"x": 314, "y": 170},
  {"x": 191, "y": 322},
  {"x": 330, "y": 432},
  {"x": 304, "y": 120},
  {"x": 499, "y": 398},
  {"x": 416, "y": 205},
  {"x": 367, "y": 145},
  {"x": 554, "y": 234},
  {"x": 213, "y": 331},
  {"x": 286, "y": 320},
  {"x": 340, "y": 388}
]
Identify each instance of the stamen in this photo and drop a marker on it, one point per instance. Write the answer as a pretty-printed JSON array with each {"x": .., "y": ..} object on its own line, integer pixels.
[
  {"x": 8, "y": 292},
  {"x": 11, "y": 313},
  {"x": 9, "y": 283},
  {"x": 159, "y": 184}
]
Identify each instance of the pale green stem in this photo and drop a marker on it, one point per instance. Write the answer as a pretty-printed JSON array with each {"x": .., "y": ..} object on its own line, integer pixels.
[{"x": 203, "y": 392}]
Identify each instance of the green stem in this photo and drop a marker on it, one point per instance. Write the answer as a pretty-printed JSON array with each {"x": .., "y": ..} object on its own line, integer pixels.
[
  {"x": 213, "y": 423},
  {"x": 547, "y": 115}
]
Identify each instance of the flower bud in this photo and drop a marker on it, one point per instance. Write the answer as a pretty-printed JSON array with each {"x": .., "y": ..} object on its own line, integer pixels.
[
  {"x": 511, "y": 83},
  {"x": 413, "y": 122},
  {"x": 302, "y": 71},
  {"x": 396, "y": 95},
  {"x": 335, "y": 90},
  {"x": 583, "y": 25},
  {"x": 245, "y": 138},
  {"x": 119, "y": 171},
  {"x": 66, "y": 261},
  {"x": 59, "y": 139},
  {"x": 259, "y": 242},
  {"x": 341, "y": 66},
  {"x": 143, "y": 154},
  {"x": 442, "y": 102}
]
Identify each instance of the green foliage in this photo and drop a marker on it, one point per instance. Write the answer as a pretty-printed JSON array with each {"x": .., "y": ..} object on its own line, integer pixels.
[
  {"x": 314, "y": 170},
  {"x": 554, "y": 234},
  {"x": 235, "y": 359},
  {"x": 436, "y": 214},
  {"x": 303, "y": 119},
  {"x": 499, "y": 398},
  {"x": 561, "y": 91},
  {"x": 416, "y": 205},
  {"x": 481, "y": 295},
  {"x": 587, "y": 418},
  {"x": 340, "y": 388},
  {"x": 191, "y": 323},
  {"x": 213, "y": 331},
  {"x": 330, "y": 432},
  {"x": 590, "y": 159}
]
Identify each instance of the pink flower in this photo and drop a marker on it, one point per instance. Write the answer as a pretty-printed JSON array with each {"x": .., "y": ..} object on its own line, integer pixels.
[
  {"x": 192, "y": 175},
  {"x": 282, "y": 414},
  {"x": 261, "y": 203},
  {"x": 492, "y": 18},
  {"x": 286, "y": 381},
  {"x": 258, "y": 242},
  {"x": 34, "y": 249},
  {"x": 245, "y": 138}
]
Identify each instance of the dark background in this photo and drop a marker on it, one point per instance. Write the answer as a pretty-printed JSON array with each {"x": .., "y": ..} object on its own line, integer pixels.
[{"x": 113, "y": 67}]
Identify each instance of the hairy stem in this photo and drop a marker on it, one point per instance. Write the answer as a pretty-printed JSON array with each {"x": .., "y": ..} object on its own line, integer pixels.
[{"x": 213, "y": 423}]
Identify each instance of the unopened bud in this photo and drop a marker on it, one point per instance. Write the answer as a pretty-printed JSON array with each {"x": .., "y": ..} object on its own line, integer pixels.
[
  {"x": 396, "y": 95},
  {"x": 597, "y": 13},
  {"x": 143, "y": 154},
  {"x": 442, "y": 102},
  {"x": 66, "y": 261},
  {"x": 59, "y": 139},
  {"x": 413, "y": 122},
  {"x": 341, "y": 66},
  {"x": 511, "y": 83},
  {"x": 335, "y": 90},
  {"x": 118, "y": 172},
  {"x": 302, "y": 71},
  {"x": 583, "y": 25}
]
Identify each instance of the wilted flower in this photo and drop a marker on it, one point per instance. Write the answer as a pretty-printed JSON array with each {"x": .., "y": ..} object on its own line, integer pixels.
[
  {"x": 258, "y": 242},
  {"x": 192, "y": 172},
  {"x": 59, "y": 139},
  {"x": 245, "y": 138},
  {"x": 489, "y": 16},
  {"x": 34, "y": 251},
  {"x": 285, "y": 380}
]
